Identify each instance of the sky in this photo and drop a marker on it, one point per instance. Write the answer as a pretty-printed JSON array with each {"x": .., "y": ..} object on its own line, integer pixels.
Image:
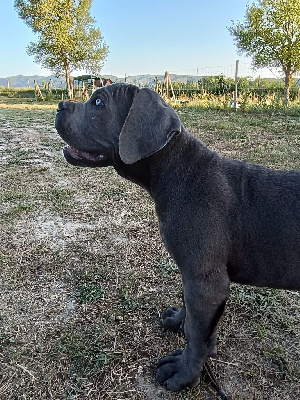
[{"x": 143, "y": 36}]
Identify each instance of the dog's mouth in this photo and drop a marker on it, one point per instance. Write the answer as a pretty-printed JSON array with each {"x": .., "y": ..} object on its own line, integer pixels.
[
  {"x": 83, "y": 158},
  {"x": 82, "y": 155}
]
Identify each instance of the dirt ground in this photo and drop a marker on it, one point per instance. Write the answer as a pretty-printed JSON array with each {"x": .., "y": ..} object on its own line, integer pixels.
[{"x": 84, "y": 275}]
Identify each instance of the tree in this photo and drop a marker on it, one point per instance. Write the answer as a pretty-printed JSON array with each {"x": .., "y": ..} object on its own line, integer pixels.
[
  {"x": 67, "y": 38},
  {"x": 270, "y": 34}
]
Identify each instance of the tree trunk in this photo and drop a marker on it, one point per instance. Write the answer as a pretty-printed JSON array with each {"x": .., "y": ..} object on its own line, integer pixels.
[
  {"x": 287, "y": 85},
  {"x": 69, "y": 83}
]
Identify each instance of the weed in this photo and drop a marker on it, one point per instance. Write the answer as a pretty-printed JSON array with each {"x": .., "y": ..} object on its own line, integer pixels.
[
  {"x": 277, "y": 357},
  {"x": 84, "y": 349},
  {"x": 17, "y": 209},
  {"x": 89, "y": 292},
  {"x": 58, "y": 198},
  {"x": 128, "y": 301},
  {"x": 18, "y": 156},
  {"x": 11, "y": 196},
  {"x": 167, "y": 267}
]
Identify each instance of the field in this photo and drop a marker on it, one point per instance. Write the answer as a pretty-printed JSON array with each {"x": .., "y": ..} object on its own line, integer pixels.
[{"x": 84, "y": 275}]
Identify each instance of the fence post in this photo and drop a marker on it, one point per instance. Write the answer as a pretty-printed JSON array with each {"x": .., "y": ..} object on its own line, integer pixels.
[{"x": 236, "y": 83}]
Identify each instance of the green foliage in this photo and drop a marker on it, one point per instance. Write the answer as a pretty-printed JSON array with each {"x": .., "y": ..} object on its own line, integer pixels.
[
  {"x": 88, "y": 289},
  {"x": 270, "y": 35},
  {"x": 84, "y": 350},
  {"x": 216, "y": 84},
  {"x": 221, "y": 86},
  {"x": 167, "y": 267},
  {"x": 28, "y": 95},
  {"x": 89, "y": 292},
  {"x": 67, "y": 38}
]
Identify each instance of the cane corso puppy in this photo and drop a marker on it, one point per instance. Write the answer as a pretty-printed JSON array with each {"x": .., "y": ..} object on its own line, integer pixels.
[{"x": 221, "y": 220}]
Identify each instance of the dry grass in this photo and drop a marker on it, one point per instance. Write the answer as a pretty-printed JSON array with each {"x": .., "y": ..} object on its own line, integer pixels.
[
  {"x": 28, "y": 106},
  {"x": 84, "y": 275}
]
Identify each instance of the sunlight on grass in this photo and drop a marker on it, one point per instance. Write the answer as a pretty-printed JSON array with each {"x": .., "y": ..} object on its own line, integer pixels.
[{"x": 30, "y": 106}]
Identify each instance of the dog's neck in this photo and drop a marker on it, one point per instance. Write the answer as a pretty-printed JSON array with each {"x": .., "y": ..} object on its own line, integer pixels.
[{"x": 166, "y": 169}]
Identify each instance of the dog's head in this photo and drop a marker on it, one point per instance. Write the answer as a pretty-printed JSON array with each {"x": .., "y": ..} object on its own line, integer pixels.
[{"x": 119, "y": 121}]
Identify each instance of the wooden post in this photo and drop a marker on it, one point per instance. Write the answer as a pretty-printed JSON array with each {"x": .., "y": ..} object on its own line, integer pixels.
[
  {"x": 167, "y": 84},
  {"x": 37, "y": 91},
  {"x": 236, "y": 83},
  {"x": 166, "y": 81},
  {"x": 156, "y": 85},
  {"x": 173, "y": 94}
]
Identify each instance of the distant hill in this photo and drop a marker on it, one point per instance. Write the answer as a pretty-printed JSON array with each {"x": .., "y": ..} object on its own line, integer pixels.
[
  {"x": 21, "y": 81},
  {"x": 149, "y": 80}
]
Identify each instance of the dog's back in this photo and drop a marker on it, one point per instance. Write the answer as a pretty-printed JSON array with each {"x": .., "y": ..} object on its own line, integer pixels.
[
  {"x": 248, "y": 212},
  {"x": 266, "y": 226}
]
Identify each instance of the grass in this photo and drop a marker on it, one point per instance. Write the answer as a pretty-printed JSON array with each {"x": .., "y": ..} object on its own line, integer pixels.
[
  {"x": 88, "y": 289},
  {"x": 246, "y": 103},
  {"x": 84, "y": 275}
]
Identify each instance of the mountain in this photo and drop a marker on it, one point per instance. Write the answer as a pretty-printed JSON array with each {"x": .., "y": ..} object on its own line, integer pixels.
[
  {"x": 21, "y": 81},
  {"x": 149, "y": 80}
]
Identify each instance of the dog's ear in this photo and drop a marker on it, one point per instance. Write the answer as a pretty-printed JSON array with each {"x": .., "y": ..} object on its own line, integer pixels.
[{"x": 149, "y": 126}]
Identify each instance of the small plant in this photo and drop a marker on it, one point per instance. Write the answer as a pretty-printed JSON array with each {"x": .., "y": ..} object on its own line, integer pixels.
[
  {"x": 128, "y": 300},
  {"x": 278, "y": 358},
  {"x": 58, "y": 197},
  {"x": 84, "y": 349},
  {"x": 89, "y": 292},
  {"x": 17, "y": 209},
  {"x": 167, "y": 267}
]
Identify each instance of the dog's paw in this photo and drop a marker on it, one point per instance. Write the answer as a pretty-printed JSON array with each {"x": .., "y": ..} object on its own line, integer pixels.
[
  {"x": 174, "y": 373},
  {"x": 172, "y": 319}
]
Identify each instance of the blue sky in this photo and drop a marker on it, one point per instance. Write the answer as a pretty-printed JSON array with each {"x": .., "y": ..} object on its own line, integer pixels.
[{"x": 144, "y": 37}]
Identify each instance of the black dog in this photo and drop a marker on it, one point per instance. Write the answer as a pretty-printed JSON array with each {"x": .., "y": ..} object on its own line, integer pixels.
[{"x": 221, "y": 220}]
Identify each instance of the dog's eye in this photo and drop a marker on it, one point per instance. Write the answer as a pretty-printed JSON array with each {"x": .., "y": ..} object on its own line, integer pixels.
[{"x": 98, "y": 102}]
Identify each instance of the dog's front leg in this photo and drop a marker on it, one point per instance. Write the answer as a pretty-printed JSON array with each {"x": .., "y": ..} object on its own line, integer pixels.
[{"x": 204, "y": 299}]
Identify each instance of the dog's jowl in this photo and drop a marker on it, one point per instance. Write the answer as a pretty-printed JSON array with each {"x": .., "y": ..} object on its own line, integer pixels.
[{"x": 221, "y": 220}]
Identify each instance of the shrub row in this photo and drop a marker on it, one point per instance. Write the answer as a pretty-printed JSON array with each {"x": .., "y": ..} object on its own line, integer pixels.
[{"x": 25, "y": 93}]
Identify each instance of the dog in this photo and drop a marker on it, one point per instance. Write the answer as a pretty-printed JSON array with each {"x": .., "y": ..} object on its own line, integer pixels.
[{"x": 221, "y": 220}]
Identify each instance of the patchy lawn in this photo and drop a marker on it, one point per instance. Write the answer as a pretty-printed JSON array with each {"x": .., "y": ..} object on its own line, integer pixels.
[{"x": 84, "y": 275}]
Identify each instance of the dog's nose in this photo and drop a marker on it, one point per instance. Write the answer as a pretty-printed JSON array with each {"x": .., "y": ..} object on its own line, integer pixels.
[{"x": 69, "y": 105}]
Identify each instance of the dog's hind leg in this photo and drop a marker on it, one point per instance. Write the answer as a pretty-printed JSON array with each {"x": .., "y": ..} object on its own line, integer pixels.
[{"x": 173, "y": 319}]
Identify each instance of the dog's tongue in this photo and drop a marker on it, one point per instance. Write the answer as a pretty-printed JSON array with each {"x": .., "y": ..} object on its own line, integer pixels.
[{"x": 83, "y": 155}]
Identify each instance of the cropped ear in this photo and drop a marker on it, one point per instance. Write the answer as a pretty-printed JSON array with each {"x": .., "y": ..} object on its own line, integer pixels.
[{"x": 149, "y": 125}]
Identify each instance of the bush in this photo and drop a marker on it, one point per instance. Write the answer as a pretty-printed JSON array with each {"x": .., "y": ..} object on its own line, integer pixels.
[{"x": 25, "y": 93}]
